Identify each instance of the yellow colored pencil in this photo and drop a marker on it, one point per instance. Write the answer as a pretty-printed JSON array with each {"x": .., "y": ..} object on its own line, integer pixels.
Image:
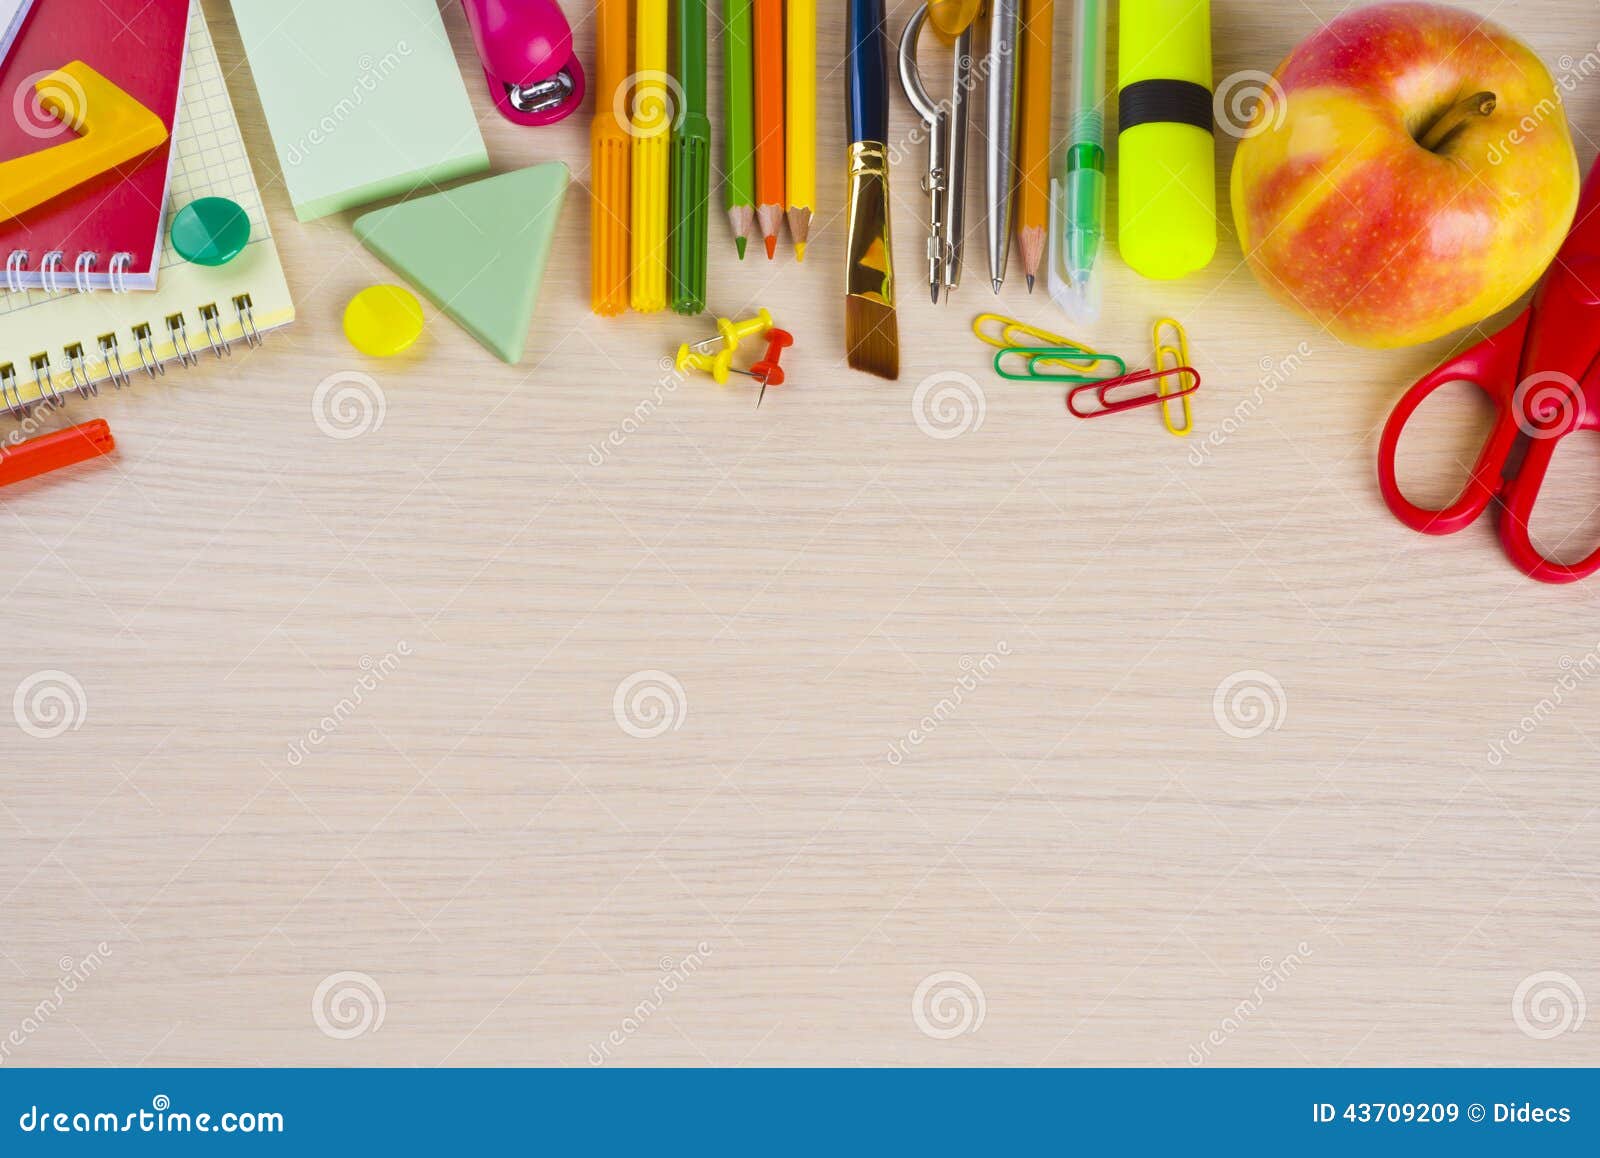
[
  {"x": 650, "y": 123},
  {"x": 801, "y": 120}
]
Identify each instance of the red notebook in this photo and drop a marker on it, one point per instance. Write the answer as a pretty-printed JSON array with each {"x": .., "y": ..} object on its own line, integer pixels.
[{"x": 107, "y": 232}]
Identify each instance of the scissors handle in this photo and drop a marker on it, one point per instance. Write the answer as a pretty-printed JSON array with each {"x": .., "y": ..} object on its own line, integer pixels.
[
  {"x": 1517, "y": 501},
  {"x": 1491, "y": 366}
]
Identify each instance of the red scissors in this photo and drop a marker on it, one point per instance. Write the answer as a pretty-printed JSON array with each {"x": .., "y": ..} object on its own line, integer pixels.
[{"x": 1542, "y": 373}]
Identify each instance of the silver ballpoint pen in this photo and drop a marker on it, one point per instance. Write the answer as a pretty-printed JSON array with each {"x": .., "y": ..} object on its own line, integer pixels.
[
  {"x": 1000, "y": 114},
  {"x": 946, "y": 179}
]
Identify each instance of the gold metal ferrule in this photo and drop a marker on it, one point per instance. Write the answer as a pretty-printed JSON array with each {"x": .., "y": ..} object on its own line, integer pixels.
[{"x": 869, "y": 269}]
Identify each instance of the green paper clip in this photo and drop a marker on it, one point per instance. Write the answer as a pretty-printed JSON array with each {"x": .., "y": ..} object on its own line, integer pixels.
[
  {"x": 691, "y": 165},
  {"x": 1035, "y": 356}
]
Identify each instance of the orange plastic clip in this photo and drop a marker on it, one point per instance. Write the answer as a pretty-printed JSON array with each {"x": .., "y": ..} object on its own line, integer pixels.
[{"x": 54, "y": 451}]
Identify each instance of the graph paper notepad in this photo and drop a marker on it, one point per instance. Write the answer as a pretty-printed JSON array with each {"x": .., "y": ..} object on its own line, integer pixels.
[
  {"x": 54, "y": 345},
  {"x": 364, "y": 98}
]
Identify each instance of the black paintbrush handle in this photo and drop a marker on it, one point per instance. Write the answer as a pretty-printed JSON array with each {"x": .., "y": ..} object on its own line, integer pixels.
[{"x": 868, "y": 73}]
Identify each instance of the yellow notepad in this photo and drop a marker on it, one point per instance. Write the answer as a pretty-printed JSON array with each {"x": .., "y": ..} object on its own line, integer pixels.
[{"x": 55, "y": 345}]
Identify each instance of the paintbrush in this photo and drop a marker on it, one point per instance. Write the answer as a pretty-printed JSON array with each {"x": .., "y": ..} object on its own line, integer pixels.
[{"x": 871, "y": 334}]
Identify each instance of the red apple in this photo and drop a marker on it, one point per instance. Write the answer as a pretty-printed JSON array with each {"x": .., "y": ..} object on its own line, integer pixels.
[{"x": 1407, "y": 172}]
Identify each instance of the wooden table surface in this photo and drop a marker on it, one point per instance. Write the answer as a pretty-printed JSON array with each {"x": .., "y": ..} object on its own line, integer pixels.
[{"x": 566, "y": 717}]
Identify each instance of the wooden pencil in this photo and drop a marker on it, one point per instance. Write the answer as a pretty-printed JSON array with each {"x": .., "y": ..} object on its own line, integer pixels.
[
  {"x": 769, "y": 120},
  {"x": 800, "y": 119}
]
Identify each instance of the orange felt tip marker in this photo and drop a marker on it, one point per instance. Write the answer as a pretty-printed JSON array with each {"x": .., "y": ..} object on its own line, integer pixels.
[{"x": 50, "y": 452}]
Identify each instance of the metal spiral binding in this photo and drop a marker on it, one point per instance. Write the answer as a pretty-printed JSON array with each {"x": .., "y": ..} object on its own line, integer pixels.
[
  {"x": 84, "y": 382},
  {"x": 86, "y": 385},
  {"x": 245, "y": 309},
  {"x": 117, "y": 272},
  {"x": 16, "y": 266},
  {"x": 179, "y": 332},
  {"x": 146, "y": 340},
  {"x": 112, "y": 357},
  {"x": 10, "y": 392},
  {"x": 82, "y": 269},
  {"x": 212, "y": 318},
  {"x": 50, "y": 269},
  {"x": 45, "y": 380}
]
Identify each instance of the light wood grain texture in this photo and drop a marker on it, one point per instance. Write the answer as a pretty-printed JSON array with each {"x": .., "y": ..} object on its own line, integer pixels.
[{"x": 1078, "y": 834}]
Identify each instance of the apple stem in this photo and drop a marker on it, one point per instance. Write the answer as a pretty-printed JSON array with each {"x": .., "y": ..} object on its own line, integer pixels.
[{"x": 1455, "y": 118}]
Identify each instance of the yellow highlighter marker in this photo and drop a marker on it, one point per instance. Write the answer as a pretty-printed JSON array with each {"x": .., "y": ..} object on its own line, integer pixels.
[
  {"x": 650, "y": 123},
  {"x": 801, "y": 120},
  {"x": 1166, "y": 183}
]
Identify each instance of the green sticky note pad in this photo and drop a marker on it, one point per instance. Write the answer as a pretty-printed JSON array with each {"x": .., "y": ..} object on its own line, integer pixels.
[
  {"x": 477, "y": 251},
  {"x": 363, "y": 97}
]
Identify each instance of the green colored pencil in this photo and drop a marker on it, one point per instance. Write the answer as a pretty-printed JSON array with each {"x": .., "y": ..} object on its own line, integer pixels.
[
  {"x": 740, "y": 136},
  {"x": 691, "y": 165}
]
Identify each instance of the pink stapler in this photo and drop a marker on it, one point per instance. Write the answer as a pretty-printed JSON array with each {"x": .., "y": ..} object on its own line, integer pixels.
[{"x": 526, "y": 48}]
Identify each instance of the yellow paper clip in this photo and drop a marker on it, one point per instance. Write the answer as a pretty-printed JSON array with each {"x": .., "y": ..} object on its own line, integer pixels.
[
  {"x": 1169, "y": 356},
  {"x": 1014, "y": 333},
  {"x": 1011, "y": 334}
]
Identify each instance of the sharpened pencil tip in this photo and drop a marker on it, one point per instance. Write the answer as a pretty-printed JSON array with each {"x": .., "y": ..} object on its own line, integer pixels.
[
  {"x": 772, "y": 248},
  {"x": 1030, "y": 283},
  {"x": 800, "y": 251},
  {"x": 738, "y": 243}
]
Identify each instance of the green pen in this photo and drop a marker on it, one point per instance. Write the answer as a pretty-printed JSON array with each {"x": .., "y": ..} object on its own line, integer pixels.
[
  {"x": 1078, "y": 190},
  {"x": 739, "y": 131},
  {"x": 691, "y": 165}
]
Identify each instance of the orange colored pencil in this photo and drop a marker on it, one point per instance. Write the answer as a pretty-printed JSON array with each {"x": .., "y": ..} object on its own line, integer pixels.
[
  {"x": 1033, "y": 195},
  {"x": 769, "y": 120}
]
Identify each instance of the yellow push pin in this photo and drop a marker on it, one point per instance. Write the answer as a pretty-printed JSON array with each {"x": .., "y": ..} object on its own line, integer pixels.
[
  {"x": 732, "y": 333},
  {"x": 718, "y": 365},
  {"x": 383, "y": 320}
]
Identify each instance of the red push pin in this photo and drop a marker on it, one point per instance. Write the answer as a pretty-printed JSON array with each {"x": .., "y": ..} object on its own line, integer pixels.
[{"x": 768, "y": 369}]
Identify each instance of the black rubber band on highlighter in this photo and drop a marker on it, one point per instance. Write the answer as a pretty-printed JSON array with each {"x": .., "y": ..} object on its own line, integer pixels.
[{"x": 1177, "y": 102}]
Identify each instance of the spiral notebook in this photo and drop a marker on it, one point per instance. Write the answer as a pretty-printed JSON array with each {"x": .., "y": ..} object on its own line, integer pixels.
[
  {"x": 12, "y": 14},
  {"x": 53, "y": 345},
  {"x": 107, "y": 231}
]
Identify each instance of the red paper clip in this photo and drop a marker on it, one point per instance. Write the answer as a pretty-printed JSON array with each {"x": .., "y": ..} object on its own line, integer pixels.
[
  {"x": 1101, "y": 389},
  {"x": 51, "y": 452}
]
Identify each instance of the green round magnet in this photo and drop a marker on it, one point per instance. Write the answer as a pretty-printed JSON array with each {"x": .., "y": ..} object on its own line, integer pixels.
[{"x": 210, "y": 231}]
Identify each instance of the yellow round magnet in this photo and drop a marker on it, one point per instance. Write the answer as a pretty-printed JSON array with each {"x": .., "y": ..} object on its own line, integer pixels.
[{"x": 383, "y": 320}]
